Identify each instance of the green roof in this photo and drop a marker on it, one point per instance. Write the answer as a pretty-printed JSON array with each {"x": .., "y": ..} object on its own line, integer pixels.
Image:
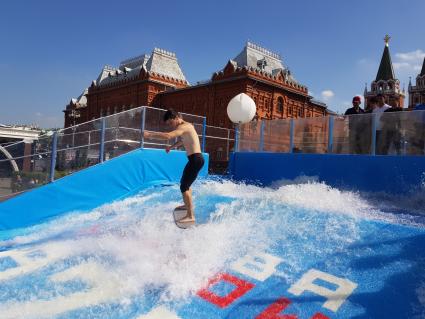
[{"x": 385, "y": 71}]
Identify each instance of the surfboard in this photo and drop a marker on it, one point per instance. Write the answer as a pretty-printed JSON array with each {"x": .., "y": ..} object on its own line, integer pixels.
[{"x": 178, "y": 214}]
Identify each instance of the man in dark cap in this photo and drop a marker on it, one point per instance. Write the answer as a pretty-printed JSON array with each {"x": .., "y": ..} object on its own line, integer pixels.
[{"x": 356, "y": 109}]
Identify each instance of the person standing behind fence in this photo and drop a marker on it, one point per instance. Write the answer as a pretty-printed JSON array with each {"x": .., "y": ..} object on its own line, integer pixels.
[
  {"x": 371, "y": 105},
  {"x": 378, "y": 111},
  {"x": 355, "y": 127},
  {"x": 391, "y": 130}
]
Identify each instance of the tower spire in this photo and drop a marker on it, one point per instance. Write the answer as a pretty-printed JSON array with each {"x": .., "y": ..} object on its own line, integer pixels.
[
  {"x": 387, "y": 39},
  {"x": 386, "y": 71},
  {"x": 423, "y": 69}
]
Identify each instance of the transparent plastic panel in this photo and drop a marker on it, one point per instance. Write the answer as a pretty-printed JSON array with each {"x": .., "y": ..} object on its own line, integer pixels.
[
  {"x": 124, "y": 127},
  {"x": 352, "y": 134},
  {"x": 311, "y": 135},
  {"x": 154, "y": 123},
  {"x": 32, "y": 171},
  {"x": 277, "y": 136},
  {"x": 75, "y": 159},
  {"x": 401, "y": 133},
  {"x": 340, "y": 141},
  {"x": 24, "y": 165},
  {"x": 80, "y": 135},
  {"x": 413, "y": 126},
  {"x": 249, "y": 136},
  {"x": 219, "y": 143}
]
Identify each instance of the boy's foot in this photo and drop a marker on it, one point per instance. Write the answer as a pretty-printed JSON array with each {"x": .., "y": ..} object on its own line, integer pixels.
[
  {"x": 182, "y": 207},
  {"x": 187, "y": 220}
]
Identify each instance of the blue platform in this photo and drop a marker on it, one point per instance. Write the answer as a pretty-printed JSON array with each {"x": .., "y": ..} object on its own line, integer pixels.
[{"x": 390, "y": 174}]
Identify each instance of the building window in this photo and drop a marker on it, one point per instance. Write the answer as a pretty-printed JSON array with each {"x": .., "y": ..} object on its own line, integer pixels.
[
  {"x": 280, "y": 104},
  {"x": 300, "y": 112}
]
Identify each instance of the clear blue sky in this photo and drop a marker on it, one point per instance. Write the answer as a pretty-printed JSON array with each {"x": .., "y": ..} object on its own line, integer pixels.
[{"x": 51, "y": 50}]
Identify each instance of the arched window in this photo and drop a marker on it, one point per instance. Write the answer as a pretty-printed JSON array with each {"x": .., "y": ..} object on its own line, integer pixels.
[{"x": 280, "y": 104}]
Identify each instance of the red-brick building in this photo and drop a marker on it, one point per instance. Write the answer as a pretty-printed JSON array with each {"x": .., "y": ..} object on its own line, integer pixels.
[{"x": 157, "y": 80}]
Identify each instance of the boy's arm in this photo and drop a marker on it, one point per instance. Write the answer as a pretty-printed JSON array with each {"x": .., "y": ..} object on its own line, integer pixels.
[
  {"x": 163, "y": 136},
  {"x": 175, "y": 145}
]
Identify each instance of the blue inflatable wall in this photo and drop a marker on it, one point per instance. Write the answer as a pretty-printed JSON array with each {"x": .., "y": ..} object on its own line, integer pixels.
[
  {"x": 391, "y": 174},
  {"x": 94, "y": 186}
]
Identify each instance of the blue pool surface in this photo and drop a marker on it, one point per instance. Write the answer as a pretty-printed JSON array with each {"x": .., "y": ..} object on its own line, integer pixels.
[{"x": 247, "y": 258}]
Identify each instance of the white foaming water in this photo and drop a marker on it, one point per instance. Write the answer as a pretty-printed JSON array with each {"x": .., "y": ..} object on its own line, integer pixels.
[{"x": 136, "y": 241}]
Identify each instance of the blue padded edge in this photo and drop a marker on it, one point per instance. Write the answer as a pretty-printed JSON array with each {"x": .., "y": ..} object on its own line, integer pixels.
[{"x": 94, "y": 186}]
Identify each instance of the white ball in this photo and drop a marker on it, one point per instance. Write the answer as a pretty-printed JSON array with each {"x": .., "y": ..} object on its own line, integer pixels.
[{"x": 241, "y": 109}]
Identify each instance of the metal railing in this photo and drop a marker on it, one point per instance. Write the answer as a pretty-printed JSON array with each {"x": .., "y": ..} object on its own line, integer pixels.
[{"x": 25, "y": 165}]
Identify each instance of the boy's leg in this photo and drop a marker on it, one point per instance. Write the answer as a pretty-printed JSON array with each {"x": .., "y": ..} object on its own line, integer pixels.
[
  {"x": 190, "y": 173},
  {"x": 187, "y": 198}
]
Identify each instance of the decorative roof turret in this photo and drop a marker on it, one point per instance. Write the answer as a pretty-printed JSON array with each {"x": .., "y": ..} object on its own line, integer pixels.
[{"x": 160, "y": 62}]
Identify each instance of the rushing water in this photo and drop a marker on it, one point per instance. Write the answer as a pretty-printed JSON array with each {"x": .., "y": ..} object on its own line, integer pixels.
[{"x": 124, "y": 259}]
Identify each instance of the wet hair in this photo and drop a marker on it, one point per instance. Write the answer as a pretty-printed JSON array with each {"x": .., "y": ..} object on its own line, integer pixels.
[
  {"x": 170, "y": 114},
  {"x": 380, "y": 95},
  {"x": 373, "y": 100}
]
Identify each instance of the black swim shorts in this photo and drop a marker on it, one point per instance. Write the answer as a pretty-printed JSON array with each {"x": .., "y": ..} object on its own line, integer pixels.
[{"x": 191, "y": 170}]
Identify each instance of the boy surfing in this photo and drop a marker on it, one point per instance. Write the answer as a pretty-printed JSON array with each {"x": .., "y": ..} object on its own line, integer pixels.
[{"x": 187, "y": 136}]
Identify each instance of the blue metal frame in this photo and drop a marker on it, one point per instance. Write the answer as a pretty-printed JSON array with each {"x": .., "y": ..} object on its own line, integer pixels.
[
  {"x": 204, "y": 132},
  {"x": 291, "y": 136},
  {"x": 142, "y": 128},
  {"x": 53, "y": 157},
  {"x": 330, "y": 134},
  {"x": 374, "y": 124},
  {"x": 102, "y": 141},
  {"x": 262, "y": 137}
]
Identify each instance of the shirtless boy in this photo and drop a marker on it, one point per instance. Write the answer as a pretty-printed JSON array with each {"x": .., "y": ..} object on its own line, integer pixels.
[{"x": 187, "y": 136}]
